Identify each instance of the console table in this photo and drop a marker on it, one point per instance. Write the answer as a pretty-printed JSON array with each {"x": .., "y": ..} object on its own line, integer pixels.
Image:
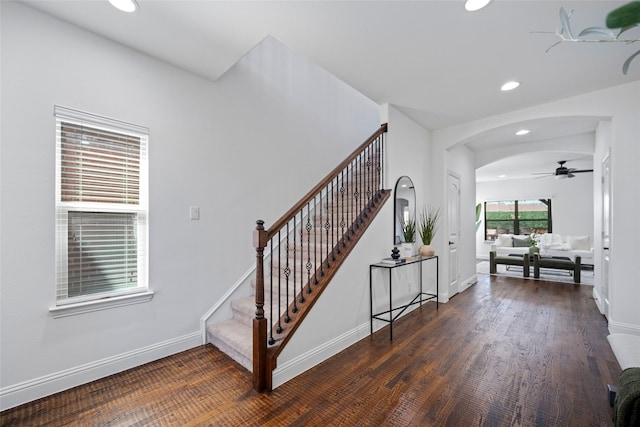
[{"x": 418, "y": 299}]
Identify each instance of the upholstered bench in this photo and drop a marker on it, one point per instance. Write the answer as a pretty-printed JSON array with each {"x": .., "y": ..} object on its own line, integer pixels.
[
  {"x": 521, "y": 260},
  {"x": 625, "y": 398},
  {"x": 557, "y": 264}
]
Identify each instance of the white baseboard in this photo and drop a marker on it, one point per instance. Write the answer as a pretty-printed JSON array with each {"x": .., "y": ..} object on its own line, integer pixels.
[
  {"x": 308, "y": 360},
  {"x": 598, "y": 300},
  {"x": 623, "y": 328},
  {"x": 466, "y": 284},
  {"x": 36, "y": 388}
]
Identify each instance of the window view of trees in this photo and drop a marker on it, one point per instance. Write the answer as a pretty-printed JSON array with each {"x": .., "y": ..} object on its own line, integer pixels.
[{"x": 517, "y": 217}]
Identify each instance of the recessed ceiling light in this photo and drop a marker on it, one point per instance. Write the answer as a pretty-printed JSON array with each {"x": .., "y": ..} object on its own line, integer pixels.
[
  {"x": 523, "y": 132},
  {"x": 473, "y": 5},
  {"x": 502, "y": 176},
  {"x": 510, "y": 85},
  {"x": 125, "y": 5}
]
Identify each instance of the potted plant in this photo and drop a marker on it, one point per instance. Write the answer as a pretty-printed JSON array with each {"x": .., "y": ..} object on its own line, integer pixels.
[
  {"x": 409, "y": 235},
  {"x": 428, "y": 228},
  {"x": 534, "y": 245}
]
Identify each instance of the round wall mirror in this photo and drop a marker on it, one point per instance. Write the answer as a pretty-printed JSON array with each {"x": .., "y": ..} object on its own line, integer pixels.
[{"x": 404, "y": 207}]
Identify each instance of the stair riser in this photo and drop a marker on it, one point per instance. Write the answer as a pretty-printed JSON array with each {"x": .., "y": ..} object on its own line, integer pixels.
[{"x": 246, "y": 313}]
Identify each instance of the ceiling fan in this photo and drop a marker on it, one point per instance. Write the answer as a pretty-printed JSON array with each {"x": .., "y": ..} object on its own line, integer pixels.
[{"x": 562, "y": 171}]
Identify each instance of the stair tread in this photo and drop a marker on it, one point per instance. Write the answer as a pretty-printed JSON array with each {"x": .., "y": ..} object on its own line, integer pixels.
[{"x": 234, "y": 338}]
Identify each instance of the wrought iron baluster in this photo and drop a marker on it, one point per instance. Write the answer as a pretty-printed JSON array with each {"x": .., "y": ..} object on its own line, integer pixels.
[
  {"x": 326, "y": 226},
  {"x": 382, "y": 161},
  {"x": 287, "y": 271},
  {"x": 315, "y": 223},
  {"x": 358, "y": 192},
  {"x": 315, "y": 242},
  {"x": 271, "y": 339},
  {"x": 342, "y": 223},
  {"x": 301, "y": 299},
  {"x": 295, "y": 285},
  {"x": 379, "y": 167},
  {"x": 368, "y": 178},
  {"x": 308, "y": 266},
  {"x": 334, "y": 217},
  {"x": 279, "y": 329}
]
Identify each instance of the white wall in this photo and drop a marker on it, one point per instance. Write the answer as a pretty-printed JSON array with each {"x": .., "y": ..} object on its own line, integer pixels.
[
  {"x": 211, "y": 145},
  {"x": 571, "y": 203}
]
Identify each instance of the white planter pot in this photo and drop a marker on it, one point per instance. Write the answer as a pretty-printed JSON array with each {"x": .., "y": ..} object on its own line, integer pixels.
[{"x": 407, "y": 250}]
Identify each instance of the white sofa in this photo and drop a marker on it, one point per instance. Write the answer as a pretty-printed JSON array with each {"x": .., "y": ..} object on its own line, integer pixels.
[{"x": 549, "y": 244}]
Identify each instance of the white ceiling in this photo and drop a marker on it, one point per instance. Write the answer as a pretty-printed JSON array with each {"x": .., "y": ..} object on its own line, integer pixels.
[{"x": 434, "y": 61}]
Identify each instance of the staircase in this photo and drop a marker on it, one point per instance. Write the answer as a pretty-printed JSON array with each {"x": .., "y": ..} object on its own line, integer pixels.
[{"x": 297, "y": 257}]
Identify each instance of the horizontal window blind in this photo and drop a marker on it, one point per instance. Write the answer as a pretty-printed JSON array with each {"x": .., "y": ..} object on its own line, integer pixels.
[
  {"x": 99, "y": 166},
  {"x": 101, "y": 207},
  {"x": 102, "y": 252}
]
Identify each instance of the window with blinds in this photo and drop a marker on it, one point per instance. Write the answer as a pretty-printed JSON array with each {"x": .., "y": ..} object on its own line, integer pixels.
[{"x": 101, "y": 207}]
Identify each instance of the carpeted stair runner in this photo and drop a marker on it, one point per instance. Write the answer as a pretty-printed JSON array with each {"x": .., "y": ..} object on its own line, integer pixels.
[{"x": 235, "y": 336}]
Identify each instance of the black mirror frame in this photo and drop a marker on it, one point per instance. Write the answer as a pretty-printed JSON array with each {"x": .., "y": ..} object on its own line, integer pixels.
[{"x": 395, "y": 206}]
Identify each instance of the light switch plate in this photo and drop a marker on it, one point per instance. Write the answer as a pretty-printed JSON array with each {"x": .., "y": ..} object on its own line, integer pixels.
[{"x": 194, "y": 213}]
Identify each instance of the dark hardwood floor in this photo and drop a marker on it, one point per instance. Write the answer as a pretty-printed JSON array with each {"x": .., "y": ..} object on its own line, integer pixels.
[{"x": 506, "y": 352}]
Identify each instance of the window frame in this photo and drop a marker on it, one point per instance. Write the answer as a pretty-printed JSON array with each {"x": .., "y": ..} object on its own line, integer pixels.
[
  {"x": 65, "y": 305},
  {"x": 514, "y": 223}
]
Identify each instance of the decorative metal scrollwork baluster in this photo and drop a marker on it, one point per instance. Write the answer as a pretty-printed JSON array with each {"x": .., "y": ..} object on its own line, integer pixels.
[
  {"x": 295, "y": 285},
  {"x": 309, "y": 265},
  {"x": 287, "y": 271},
  {"x": 301, "y": 299},
  {"x": 279, "y": 328},
  {"x": 342, "y": 223}
]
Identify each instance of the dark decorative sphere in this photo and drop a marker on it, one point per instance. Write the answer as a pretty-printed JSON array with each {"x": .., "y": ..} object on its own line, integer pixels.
[{"x": 395, "y": 253}]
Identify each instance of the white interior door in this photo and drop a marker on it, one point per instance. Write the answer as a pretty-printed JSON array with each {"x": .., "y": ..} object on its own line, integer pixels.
[
  {"x": 453, "y": 215},
  {"x": 606, "y": 230}
]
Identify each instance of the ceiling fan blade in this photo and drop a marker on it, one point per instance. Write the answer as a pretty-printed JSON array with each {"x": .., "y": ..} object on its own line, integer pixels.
[
  {"x": 564, "y": 22},
  {"x": 580, "y": 171},
  {"x": 542, "y": 176},
  {"x": 570, "y": 175}
]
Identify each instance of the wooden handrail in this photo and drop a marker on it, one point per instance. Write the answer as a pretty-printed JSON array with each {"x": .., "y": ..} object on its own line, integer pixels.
[
  {"x": 276, "y": 226},
  {"x": 327, "y": 257}
]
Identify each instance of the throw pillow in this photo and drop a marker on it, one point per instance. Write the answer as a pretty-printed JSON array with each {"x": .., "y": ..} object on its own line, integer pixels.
[
  {"x": 545, "y": 239},
  {"x": 504, "y": 240},
  {"x": 580, "y": 243},
  {"x": 521, "y": 242}
]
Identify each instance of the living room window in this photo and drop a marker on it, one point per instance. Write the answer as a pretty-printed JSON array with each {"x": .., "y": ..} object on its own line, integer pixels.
[
  {"x": 101, "y": 207},
  {"x": 517, "y": 217}
]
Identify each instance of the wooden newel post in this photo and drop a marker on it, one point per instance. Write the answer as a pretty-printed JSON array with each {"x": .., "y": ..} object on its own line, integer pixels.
[{"x": 259, "y": 322}]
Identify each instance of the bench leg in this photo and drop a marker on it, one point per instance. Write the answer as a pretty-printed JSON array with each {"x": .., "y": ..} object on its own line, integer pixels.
[
  {"x": 525, "y": 265},
  {"x": 613, "y": 390},
  {"x": 577, "y": 269},
  {"x": 492, "y": 262}
]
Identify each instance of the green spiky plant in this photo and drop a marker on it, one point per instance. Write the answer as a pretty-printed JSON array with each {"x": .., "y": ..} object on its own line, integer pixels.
[
  {"x": 408, "y": 230},
  {"x": 428, "y": 224}
]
